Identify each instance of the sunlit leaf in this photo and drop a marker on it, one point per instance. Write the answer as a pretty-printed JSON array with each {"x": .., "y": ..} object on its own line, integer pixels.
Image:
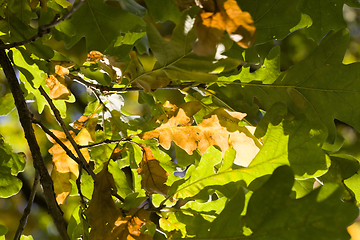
[
  {"x": 218, "y": 128},
  {"x": 326, "y": 16},
  {"x": 106, "y": 23},
  {"x": 65, "y": 168},
  {"x": 10, "y": 165},
  {"x": 154, "y": 176}
]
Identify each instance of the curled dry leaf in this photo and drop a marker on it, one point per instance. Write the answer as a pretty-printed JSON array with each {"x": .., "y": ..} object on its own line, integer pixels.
[
  {"x": 154, "y": 176},
  {"x": 221, "y": 128},
  {"x": 56, "y": 81},
  {"x": 66, "y": 168},
  {"x": 106, "y": 220}
]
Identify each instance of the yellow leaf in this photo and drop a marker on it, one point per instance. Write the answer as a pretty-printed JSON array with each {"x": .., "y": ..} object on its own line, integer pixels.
[
  {"x": 183, "y": 114},
  {"x": 56, "y": 81},
  {"x": 155, "y": 176},
  {"x": 239, "y": 24},
  {"x": 66, "y": 168},
  {"x": 221, "y": 128}
]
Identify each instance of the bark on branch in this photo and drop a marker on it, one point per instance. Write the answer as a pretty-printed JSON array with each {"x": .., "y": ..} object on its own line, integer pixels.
[{"x": 26, "y": 122}]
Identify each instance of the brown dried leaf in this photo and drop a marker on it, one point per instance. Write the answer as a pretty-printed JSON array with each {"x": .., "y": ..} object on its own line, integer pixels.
[
  {"x": 106, "y": 220},
  {"x": 155, "y": 176},
  {"x": 66, "y": 168},
  {"x": 220, "y": 128}
]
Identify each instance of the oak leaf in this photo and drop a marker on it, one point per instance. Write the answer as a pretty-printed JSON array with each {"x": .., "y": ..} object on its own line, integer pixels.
[
  {"x": 65, "y": 168},
  {"x": 154, "y": 176},
  {"x": 56, "y": 81},
  {"x": 147, "y": 81},
  {"x": 216, "y": 17},
  {"x": 221, "y": 128},
  {"x": 106, "y": 220}
]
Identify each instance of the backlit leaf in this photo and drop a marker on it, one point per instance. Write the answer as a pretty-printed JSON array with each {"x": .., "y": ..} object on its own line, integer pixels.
[
  {"x": 106, "y": 23},
  {"x": 291, "y": 143},
  {"x": 106, "y": 220},
  {"x": 10, "y": 165},
  {"x": 312, "y": 86},
  {"x": 218, "y": 128},
  {"x": 65, "y": 168},
  {"x": 154, "y": 176},
  {"x": 325, "y": 15}
]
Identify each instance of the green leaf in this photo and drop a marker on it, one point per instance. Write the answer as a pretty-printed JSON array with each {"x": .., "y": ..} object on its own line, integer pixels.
[
  {"x": 313, "y": 87},
  {"x": 274, "y": 19},
  {"x": 133, "y": 7},
  {"x": 193, "y": 219},
  {"x": 78, "y": 226},
  {"x": 3, "y": 230},
  {"x": 162, "y": 10},
  {"x": 295, "y": 143},
  {"x": 100, "y": 23},
  {"x": 123, "y": 188},
  {"x": 325, "y": 15},
  {"x": 23, "y": 237},
  {"x": 320, "y": 214},
  {"x": 7, "y": 104},
  {"x": 342, "y": 167}
]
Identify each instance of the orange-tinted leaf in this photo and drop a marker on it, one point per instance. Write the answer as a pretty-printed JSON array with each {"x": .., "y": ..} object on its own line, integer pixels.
[
  {"x": 154, "y": 176},
  {"x": 181, "y": 116},
  {"x": 79, "y": 123},
  {"x": 209, "y": 29},
  {"x": 106, "y": 220},
  {"x": 239, "y": 24},
  {"x": 66, "y": 168},
  {"x": 94, "y": 56},
  {"x": 220, "y": 128},
  {"x": 57, "y": 87},
  {"x": 217, "y": 17},
  {"x": 56, "y": 81}
]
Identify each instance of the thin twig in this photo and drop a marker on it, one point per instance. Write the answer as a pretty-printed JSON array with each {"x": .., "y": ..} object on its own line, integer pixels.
[
  {"x": 106, "y": 89},
  {"x": 56, "y": 112},
  {"x": 106, "y": 141},
  {"x": 27, "y": 210},
  {"x": 78, "y": 185},
  {"x": 57, "y": 140},
  {"x": 44, "y": 29},
  {"x": 38, "y": 161}
]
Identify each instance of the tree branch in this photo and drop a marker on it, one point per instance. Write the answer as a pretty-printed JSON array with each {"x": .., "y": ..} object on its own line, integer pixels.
[
  {"x": 27, "y": 210},
  {"x": 25, "y": 120},
  {"x": 56, "y": 112},
  {"x": 44, "y": 29},
  {"x": 106, "y": 89},
  {"x": 57, "y": 140}
]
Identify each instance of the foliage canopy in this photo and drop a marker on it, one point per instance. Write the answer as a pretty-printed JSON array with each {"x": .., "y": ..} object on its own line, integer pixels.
[{"x": 189, "y": 123}]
